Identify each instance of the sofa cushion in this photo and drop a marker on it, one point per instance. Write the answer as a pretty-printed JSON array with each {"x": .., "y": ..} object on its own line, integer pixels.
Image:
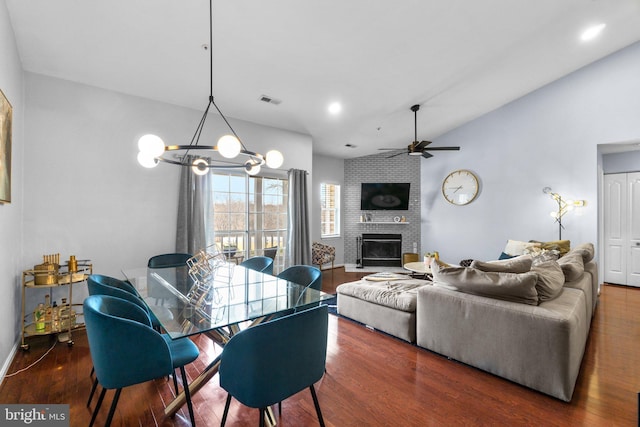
[
  {"x": 550, "y": 280},
  {"x": 396, "y": 294},
  {"x": 504, "y": 286},
  {"x": 586, "y": 250},
  {"x": 519, "y": 264},
  {"x": 572, "y": 265}
]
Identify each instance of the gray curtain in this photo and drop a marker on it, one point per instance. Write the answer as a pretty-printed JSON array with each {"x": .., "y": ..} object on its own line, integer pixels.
[
  {"x": 298, "y": 239},
  {"x": 193, "y": 210}
]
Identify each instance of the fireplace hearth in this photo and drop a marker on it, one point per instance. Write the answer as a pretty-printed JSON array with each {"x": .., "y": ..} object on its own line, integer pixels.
[{"x": 381, "y": 250}]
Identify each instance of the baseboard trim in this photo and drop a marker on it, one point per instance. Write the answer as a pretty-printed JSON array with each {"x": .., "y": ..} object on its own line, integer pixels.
[
  {"x": 329, "y": 268},
  {"x": 7, "y": 363},
  {"x": 352, "y": 268}
]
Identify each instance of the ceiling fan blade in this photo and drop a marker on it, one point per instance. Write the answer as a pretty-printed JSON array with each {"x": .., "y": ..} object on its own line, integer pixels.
[
  {"x": 422, "y": 144},
  {"x": 426, "y": 155},
  {"x": 443, "y": 148},
  {"x": 397, "y": 154}
]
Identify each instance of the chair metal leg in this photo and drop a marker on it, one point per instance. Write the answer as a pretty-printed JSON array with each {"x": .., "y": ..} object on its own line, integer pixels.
[
  {"x": 187, "y": 395},
  {"x": 175, "y": 382},
  {"x": 93, "y": 390},
  {"x": 317, "y": 405},
  {"x": 271, "y": 417},
  {"x": 226, "y": 411},
  {"x": 112, "y": 410},
  {"x": 97, "y": 408},
  {"x": 262, "y": 411}
]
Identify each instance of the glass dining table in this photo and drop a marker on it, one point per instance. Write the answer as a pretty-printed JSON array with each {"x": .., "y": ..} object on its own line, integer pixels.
[{"x": 230, "y": 299}]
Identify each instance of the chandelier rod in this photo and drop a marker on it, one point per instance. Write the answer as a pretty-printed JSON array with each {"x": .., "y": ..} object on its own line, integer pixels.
[
  {"x": 196, "y": 136},
  {"x": 151, "y": 147}
]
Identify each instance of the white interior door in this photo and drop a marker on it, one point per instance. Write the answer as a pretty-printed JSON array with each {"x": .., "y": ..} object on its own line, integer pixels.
[
  {"x": 633, "y": 219},
  {"x": 615, "y": 228}
]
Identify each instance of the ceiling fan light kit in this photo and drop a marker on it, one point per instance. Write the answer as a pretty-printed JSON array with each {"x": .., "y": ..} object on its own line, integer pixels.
[
  {"x": 152, "y": 148},
  {"x": 419, "y": 148}
]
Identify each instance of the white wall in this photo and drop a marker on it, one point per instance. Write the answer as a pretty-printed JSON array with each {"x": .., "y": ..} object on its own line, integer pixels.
[
  {"x": 547, "y": 138},
  {"x": 11, "y": 84},
  {"x": 328, "y": 170}
]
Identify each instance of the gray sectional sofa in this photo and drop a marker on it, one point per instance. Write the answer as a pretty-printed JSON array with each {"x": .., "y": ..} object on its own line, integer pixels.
[{"x": 532, "y": 331}]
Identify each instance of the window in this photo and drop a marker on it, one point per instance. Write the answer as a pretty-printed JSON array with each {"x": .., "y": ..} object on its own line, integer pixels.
[
  {"x": 330, "y": 210},
  {"x": 249, "y": 216}
]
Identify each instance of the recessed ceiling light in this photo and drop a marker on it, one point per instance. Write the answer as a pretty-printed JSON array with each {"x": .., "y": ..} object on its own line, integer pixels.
[
  {"x": 335, "y": 107},
  {"x": 592, "y": 32}
]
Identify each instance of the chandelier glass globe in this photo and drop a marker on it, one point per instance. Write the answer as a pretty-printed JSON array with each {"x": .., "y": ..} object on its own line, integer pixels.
[{"x": 229, "y": 146}]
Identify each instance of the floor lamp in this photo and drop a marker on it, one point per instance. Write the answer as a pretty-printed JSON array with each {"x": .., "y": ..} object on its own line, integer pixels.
[{"x": 564, "y": 206}]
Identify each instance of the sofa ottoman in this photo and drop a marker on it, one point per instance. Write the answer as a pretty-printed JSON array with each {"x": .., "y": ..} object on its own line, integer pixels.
[{"x": 387, "y": 305}]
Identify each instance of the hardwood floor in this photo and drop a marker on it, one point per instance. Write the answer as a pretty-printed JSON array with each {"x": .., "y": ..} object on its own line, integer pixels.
[{"x": 371, "y": 379}]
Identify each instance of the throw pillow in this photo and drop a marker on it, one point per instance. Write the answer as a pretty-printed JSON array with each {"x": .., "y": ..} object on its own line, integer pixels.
[
  {"x": 550, "y": 280},
  {"x": 512, "y": 287},
  {"x": 572, "y": 266},
  {"x": 542, "y": 255},
  {"x": 516, "y": 247},
  {"x": 506, "y": 256},
  {"x": 563, "y": 246},
  {"x": 519, "y": 264},
  {"x": 465, "y": 262}
]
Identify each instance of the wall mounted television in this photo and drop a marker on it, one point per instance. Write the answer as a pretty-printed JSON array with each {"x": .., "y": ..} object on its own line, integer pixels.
[{"x": 387, "y": 196}]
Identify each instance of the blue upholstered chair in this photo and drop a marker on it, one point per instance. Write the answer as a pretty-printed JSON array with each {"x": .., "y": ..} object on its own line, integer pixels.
[
  {"x": 272, "y": 361},
  {"x": 271, "y": 252},
  {"x": 168, "y": 260},
  {"x": 99, "y": 284},
  {"x": 126, "y": 350},
  {"x": 303, "y": 275},
  {"x": 262, "y": 264}
]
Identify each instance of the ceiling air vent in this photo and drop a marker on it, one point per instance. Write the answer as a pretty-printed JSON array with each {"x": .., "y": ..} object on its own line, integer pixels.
[{"x": 270, "y": 100}]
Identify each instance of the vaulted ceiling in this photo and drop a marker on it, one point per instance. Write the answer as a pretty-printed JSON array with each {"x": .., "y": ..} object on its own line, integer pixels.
[{"x": 458, "y": 59}]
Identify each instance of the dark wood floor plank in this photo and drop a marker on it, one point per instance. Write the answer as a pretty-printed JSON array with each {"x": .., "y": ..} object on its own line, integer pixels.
[{"x": 371, "y": 379}]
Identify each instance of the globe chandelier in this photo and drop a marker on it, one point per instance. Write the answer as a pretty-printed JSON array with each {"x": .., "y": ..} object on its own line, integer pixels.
[{"x": 153, "y": 150}]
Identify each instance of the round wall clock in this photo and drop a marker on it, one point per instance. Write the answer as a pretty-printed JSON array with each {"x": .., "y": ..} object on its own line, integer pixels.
[{"x": 460, "y": 187}]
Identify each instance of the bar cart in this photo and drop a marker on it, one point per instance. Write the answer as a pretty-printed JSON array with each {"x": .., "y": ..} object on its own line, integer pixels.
[{"x": 49, "y": 319}]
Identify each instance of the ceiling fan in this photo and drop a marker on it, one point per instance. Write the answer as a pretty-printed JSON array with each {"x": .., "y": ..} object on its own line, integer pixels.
[{"x": 419, "y": 148}]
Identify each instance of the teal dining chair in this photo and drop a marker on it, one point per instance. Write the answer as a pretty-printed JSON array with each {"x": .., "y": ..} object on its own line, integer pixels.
[
  {"x": 304, "y": 275},
  {"x": 268, "y": 363},
  {"x": 271, "y": 252},
  {"x": 99, "y": 284},
  {"x": 168, "y": 260},
  {"x": 126, "y": 350},
  {"x": 262, "y": 264}
]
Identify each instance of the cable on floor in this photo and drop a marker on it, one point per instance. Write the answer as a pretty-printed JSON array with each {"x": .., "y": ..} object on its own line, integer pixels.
[{"x": 33, "y": 364}]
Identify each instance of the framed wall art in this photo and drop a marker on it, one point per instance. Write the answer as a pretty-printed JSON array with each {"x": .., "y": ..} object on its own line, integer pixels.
[{"x": 6, "y": 117}]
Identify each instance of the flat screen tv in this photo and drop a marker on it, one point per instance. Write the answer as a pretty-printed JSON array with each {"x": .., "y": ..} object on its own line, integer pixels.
[{"x": 387, "y": 196}]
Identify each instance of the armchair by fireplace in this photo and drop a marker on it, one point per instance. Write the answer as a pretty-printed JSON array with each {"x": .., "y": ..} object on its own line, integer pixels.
[{"x": 322, "y": 254}]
